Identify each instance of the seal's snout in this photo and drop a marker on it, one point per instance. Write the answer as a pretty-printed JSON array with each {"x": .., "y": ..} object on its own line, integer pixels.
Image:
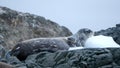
[{"x": 14, "y": 53}]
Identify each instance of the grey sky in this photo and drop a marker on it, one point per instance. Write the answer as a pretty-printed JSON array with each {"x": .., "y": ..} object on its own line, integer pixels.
[{"x": 74, "y": 14}]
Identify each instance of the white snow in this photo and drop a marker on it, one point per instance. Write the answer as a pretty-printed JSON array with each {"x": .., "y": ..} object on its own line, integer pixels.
[
  {"x": 101, "y": 42},
  {"x": 98, "y": 42},
  {"x": 75, "y": 48}
]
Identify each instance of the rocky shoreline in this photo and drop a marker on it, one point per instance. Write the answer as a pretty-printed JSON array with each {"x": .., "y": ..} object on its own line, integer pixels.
[{"x": 17, "y": 26}]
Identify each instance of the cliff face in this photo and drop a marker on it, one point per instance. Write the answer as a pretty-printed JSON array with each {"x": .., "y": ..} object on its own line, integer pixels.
[{"x": 17, "y": 26}]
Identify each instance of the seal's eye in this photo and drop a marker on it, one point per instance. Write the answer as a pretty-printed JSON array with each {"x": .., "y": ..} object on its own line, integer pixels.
[
  {"x": 88, "y": 31},
  {"x": 85, "y": 31},
  {"x": 71, "y": 39}
]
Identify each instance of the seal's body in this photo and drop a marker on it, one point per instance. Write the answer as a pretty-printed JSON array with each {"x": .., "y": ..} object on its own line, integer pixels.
[
  {"x": 28, "y": 47},
  {"x": 31, "y": 46}
]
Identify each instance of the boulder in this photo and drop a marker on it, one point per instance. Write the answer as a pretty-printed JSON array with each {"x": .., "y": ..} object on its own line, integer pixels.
[
  {"x": 84, "y": 58},
  {"x": 17, "y": 26}
]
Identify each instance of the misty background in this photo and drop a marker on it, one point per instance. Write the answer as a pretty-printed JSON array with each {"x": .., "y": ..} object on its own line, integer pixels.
[{"x": 74, "y": 14}]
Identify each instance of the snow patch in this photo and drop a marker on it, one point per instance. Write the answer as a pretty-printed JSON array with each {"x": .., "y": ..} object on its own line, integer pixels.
[
  {"x": 98, "y": 42},
  {"x": 75, "y": 48},
  {"x": 101, "y": 42}
]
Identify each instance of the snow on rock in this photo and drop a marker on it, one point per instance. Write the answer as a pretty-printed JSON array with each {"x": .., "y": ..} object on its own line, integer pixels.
[
  {"x": 75, "y": 48},
  {"x": 100, "y": 41}
]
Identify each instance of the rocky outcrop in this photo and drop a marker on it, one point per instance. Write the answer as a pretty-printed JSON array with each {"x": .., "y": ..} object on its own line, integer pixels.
[
  {"x": 86, "y": 58},
  {"x": 17, "y": 26}
]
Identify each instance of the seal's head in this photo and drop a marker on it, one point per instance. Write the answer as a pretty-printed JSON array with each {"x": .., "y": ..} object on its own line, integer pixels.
[
  {"x": 82, "y": 35},
  {"x": 21, "y": 51},
  {"x": 85, "y": 31},
  {"x": 15, "y": 51}
]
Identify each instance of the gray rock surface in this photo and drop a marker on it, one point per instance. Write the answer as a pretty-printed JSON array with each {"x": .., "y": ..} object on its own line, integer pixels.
[
  {"x": 17, "y": 26},
  {"x": 86, "y": 58}
]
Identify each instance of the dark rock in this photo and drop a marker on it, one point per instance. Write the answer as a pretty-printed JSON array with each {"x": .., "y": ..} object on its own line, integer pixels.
[
  {"x": 86, "y": 58},
  {"x": 117, "y": 25},
  {"x": 116, "y": 55},
  {"x": 17, "y": 26}
]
